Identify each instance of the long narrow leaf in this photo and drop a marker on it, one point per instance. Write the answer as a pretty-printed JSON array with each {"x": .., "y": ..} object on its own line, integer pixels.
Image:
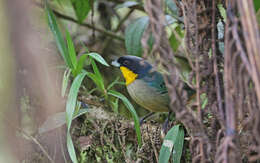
[
  {"x": 168, "y": 144},
  {"x": 57, "y": 120},
  {"x": 172, "y": 6},
  {"x": 71, "y": 50},
  {"x": 113, "y": 83},
  {"x": 72, "y": 98},
  {"x": 178, "y": 146},
  {"x": 81, "y": 8},
  {"x": 96, "y": 70},
  {"x": 65, "y": 81},
  {"x": 132, "y": 111},
  {"x": 70, "y": 108},
  {"x": 133, "y": 35},
  {"x": 98, "y": 58},
  {"x": 58, "y": 36},
  {"x": 98, "y": 75},
  {"x": 95, "y": 79},
  {"x": 80, "y": 64},
  {"x": 71, "y": 149}
]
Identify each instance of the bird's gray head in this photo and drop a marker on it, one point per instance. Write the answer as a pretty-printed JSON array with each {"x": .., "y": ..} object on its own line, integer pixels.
[{"x": 135, "y": 64}]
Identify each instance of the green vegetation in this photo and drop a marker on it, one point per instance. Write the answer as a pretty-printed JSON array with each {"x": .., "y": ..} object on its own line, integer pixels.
[
  {"x": 63, "y": 102},
  {"x": 77, "y": 68}
]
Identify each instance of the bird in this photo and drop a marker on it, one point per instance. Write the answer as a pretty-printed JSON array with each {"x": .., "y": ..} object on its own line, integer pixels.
[{"x": 145, "y": 85}]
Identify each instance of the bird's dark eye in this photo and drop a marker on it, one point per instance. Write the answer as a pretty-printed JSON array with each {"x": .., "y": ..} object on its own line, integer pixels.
[{"x": 126, "y": 62}]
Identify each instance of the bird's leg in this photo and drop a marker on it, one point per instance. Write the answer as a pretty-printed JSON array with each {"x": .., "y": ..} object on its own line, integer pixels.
[
  {"x": 166, "y": 122},
  {"x": 145, "y": 117}
]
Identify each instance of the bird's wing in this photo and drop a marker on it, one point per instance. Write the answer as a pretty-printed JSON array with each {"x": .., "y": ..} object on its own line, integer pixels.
[{"x": 155, "y": 80}]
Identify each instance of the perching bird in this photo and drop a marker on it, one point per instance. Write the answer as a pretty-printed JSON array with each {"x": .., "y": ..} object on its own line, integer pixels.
[{"x": 144, "y": 84}]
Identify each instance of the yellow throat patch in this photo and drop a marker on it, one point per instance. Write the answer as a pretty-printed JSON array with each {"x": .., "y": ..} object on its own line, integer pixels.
[{"x": 129, "y": 75}]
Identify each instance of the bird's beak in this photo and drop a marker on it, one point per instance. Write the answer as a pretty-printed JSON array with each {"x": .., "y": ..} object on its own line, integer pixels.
[{"x": 115, "y": 63}]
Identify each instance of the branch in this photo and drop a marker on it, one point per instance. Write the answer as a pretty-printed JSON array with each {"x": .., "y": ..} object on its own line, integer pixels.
[
  {"x": 65, "y": 17},
  {"x": 110, "y": 34}
]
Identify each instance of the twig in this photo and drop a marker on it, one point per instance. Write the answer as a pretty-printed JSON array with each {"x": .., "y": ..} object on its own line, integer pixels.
[
  {"x": 40, "y": 146},
  {"x": 30, "y": 137},
  {"x": 197, "y": 68},
  {"x": 123, "y": 20},
  {"x": 108, "y": 40},
  {"x": 65, "y": 17},
  {"x": 110, "y": 34},
  {"x": 213, "y": 46},
  {"x": 229, "y": 105}
]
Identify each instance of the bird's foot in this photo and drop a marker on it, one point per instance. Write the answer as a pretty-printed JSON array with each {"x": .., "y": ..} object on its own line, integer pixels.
[
  {"x": 165, "y": 126},
  {"x": 142, "y": 120},
  {"x": 166, "y": 123}
]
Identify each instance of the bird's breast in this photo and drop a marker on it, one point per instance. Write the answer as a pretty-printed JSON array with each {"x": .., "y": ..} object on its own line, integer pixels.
[{"x": 148, "y": 97}]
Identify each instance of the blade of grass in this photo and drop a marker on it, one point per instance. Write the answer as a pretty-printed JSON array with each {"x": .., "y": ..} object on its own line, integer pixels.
[
  {"x": 70, "y": 108},
  {"x": 98, "y": 58},
  {"x": 168, "y": 144},
  {"x": 71, "y": 50},
  {"x": 80, "y": 64},
  {"x": 71, "y": 149},
  {"x": 72, "y": 97},
  {"x": 96, "y": 70},
  {"x": 57, "y": 120},
  {"x": 113, "y": 83},
  {"x": 115, "y": 105},
  {"x": 65, "y": 81},
  {"x": 58, "y": 36},
  {"x": 132, "y": 111},
  {"x": 95, "y": 79},
  {"x": 98, "y": 75},
  {"x": 178, "y": 146}
]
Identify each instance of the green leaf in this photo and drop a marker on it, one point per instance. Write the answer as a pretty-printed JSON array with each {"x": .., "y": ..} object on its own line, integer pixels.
[
  {"x": 170, "y": 20},
  {"x": 54, "y": 121},
  {"x": 168, "y": 144},
  {"x": 172, "y": 6},
  {"x": 57, "y": 120},
  {"x": 178, "y": 146},
  {"x": 150, "y": 42},
  {"x": 58, "y": 36},
  {"x": 114, "y": 105},
  {"x": 221, "y": 32},
  {"x": 98, "y": 75},
  {"x": 132, "y": 111},
  {"x": 72, "y": 97},
  {"x": 70, "y": 108},
  {"x": 174, "y": 42},
  {"x": 96, "y": 70},
  {"x": 204, "y": 100},
  {"x": 126, "y": 4},
  {"x": 65, "y": 81},
  {"x": 96, "y": 80},
  {"x": 71, "y": 50},
  {"x": 98, "y": 58},
  {"x": 80, "y": 112},
  {"x": 80, "y": 64},
  {"x": 258, "y": 17},
  {"x": 222, "y": 11},
  {"x": 71, "y": 149},
  {"x": 81, "y": 8},
  {"x": 133, "y": 35},
  {"x": 113, "y": 83},
  {"x": 257, "y": 5}
]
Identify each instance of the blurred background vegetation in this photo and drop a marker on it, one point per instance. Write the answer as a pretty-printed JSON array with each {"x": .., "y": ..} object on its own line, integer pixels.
[{"x": 55, "y": 68}]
